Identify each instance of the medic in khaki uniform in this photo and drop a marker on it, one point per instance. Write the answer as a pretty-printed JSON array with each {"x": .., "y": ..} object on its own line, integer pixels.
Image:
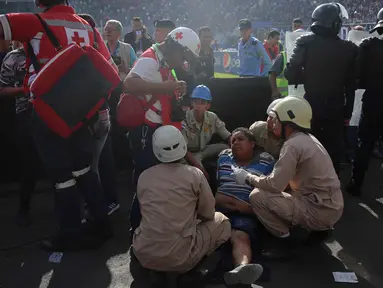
[
  {"x": 316, "y": 200},
  {"x": 263, "y": 133},
  {"x": 179, "y": 224},
  {"x": 199, "y": 127}
]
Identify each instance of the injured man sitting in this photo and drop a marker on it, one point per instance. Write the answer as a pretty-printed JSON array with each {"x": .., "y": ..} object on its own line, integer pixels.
[{"x": 232, "y": 199}]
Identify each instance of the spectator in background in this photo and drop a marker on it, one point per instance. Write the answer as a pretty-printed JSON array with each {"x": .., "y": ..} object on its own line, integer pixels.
[
  {"x": 163, "y": 28},
  {"x": 205, "y": 69},
  {"x": 139, "y": 37},
  {"x": 11, "y": 86},
  {"x": 271, "y": 44},
  {"x": 252, "y": 54},
  {"x": 122, "y": 53},
  {"x": 298, "y": 25}
]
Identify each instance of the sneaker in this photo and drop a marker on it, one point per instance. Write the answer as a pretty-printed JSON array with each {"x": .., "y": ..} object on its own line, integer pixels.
[
  {"x": 243, "y": 274},
  {"x": 113, "y": 207}
]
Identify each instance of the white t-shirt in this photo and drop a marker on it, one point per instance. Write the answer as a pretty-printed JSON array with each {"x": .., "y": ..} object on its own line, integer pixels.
[{"x": 148, "y": 70}]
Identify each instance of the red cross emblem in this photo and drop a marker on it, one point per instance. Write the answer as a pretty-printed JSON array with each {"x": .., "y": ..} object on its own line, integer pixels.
[
  {"x": 76, "y": 38},
  {"x": 179, "y": 35}
]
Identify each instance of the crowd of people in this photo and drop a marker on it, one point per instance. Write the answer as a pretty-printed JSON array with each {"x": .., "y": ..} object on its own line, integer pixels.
[
  {"x": 219, "y": 14},
  {"x": 224, "y": 14},
  {"x": 273, "y": 177}
]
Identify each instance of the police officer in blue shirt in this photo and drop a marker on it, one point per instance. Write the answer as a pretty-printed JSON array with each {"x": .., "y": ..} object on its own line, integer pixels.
[{"x": 254, "y": 60}]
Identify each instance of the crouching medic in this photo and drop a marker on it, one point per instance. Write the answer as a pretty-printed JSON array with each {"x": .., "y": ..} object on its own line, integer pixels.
[
  {"x": 316, "y": 201},
  {"x": 179, "y": 225}
]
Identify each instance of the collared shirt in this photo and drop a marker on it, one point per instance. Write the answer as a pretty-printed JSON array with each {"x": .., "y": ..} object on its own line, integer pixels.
[
  {"x": 12, "y": 75},
  {"x": 62, "y": 21},
  {"x": 173, "y": 198},
  {"x": 198, "y": 135},
  {"x": 206, "y": 67},
  {"x": 262, "y": 164},
  {"x": 265, "y": 139},
  {"x": 252, "y": 55}
]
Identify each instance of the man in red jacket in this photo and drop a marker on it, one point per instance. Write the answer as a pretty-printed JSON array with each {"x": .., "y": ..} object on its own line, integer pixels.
[{"x": 67, "y": 160}]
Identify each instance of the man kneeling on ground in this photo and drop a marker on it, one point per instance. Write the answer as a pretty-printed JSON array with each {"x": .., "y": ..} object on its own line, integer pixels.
[
  {"x": 179, "y": 224},
  {"x": 233, "y": 200},
  {"x": 316, "y": 200}
]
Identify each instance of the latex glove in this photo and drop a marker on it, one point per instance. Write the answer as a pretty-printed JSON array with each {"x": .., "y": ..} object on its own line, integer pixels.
[{"x": 240, "y": 175}]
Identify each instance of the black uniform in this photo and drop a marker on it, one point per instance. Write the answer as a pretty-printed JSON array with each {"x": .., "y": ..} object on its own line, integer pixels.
[
  {"x": 326, "y": 65},
  {"x": 370, "y": 62}
]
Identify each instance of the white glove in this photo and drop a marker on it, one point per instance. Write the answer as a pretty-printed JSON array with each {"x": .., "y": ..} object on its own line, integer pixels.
[{"x": 240, "y": 175}]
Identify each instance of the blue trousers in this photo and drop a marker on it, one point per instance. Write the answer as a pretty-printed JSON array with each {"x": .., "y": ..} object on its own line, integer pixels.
[{"x": 143, "y": 158}]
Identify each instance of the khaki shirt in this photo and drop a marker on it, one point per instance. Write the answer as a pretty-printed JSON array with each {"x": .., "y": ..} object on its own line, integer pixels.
[
  {"x": 265, "y": 139},
  {"x": 304, "y": 164},
  {"x": 198, "y": 135},
  {"x": 173, "y": 199}
]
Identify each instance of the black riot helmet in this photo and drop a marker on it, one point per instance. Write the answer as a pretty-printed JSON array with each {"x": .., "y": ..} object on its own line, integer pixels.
[
  {"x": 49, "y": 3},
  {"x": 379, "y": 23},
  {"x": 328, "y": 16}
]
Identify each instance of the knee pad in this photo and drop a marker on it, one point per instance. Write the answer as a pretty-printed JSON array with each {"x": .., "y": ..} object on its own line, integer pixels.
[
  {"x": 66, "y": 184},
  {"x": 81, "y": 172}
]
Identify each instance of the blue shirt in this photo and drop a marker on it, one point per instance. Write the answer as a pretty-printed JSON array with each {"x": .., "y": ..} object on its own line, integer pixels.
[
  {"x": 252, "y": 55},
  {"x": 262, "y": 164}
]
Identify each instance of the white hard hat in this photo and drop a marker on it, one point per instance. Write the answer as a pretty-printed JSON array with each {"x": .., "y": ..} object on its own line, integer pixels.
[
  {"x": 271, "y": 107},
  {"x": 169, "y": 144},
  {"x": 294, "y": 110},
  {"x": 187, "y": 38}
]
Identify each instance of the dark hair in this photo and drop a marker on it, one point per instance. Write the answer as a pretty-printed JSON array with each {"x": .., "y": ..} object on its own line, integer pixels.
[
  {"x": 246, "y": 132},
  {"x": 203, "y": 29},
  {"x": 297, "y": 21},
  {"x": 273, "y": 33},
  {"x": 136, "y": 19},
  {"x": 88, "y": 18}
]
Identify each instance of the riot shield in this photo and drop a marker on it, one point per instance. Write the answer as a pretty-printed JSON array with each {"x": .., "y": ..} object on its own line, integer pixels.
[
  {"x": 356, "y": 37},
  {"x": 290, "y": 38}
]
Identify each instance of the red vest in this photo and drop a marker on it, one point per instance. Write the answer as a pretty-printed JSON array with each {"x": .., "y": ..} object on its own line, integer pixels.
[{"x": 165, "y": 99}]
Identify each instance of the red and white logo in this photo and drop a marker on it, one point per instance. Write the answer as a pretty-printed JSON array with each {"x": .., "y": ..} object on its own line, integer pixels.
[{"x": 80, "y": 37}]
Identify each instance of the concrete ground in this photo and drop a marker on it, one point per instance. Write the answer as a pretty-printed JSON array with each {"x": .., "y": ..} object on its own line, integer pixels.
[{"x": 355, "y": 246}]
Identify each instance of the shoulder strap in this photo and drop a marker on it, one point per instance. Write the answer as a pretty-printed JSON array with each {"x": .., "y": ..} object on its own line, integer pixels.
[
  {"x": 49, "y": 33},
  {"x": 34, "y": 61},
  {"x": 95, "y": 41}
]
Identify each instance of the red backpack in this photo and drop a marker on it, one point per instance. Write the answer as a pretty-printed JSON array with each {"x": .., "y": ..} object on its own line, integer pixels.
[{"x": 72, "y": 87}]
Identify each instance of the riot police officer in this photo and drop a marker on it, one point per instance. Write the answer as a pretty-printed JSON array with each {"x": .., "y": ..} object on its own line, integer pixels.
[
  {"x": 325, "y": 64},
  {"x": 370, "y": 61}
]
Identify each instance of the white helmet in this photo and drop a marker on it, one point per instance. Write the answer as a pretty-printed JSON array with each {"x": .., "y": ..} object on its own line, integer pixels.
[
  {"x": 271, "y": 107},
  {"x": 169, "y": 144},
  {"x": 187, "y": 38},
  {"x": 294, "y": 110}
]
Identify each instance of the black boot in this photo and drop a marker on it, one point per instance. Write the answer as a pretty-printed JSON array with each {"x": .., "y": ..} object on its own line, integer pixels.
[{"x": 354, "y": 188}]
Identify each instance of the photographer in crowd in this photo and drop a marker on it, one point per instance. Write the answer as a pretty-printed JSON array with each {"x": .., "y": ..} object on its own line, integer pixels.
[{"x": 139, "y": 37}]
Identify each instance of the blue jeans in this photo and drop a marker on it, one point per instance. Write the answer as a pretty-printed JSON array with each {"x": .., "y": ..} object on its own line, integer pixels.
[
  {"x": 68, "y": 162},
  {"x": 143, "y": 158}
]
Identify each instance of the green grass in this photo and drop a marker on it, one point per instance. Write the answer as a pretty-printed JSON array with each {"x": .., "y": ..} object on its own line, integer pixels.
[{"x": 225, "y": 75}]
